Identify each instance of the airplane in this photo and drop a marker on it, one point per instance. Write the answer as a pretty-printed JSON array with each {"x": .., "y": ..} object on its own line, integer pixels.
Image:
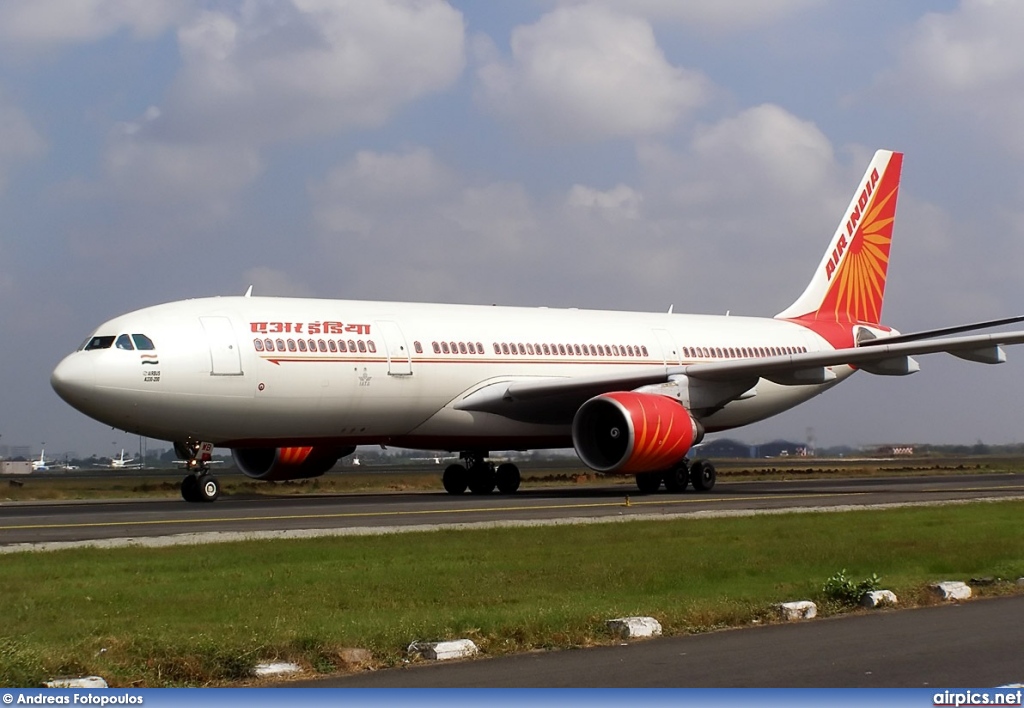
[
  {"x": 119, "y": 463},
  {"x": 291, "y": 385},
  {"x": 41, "y": 465}
]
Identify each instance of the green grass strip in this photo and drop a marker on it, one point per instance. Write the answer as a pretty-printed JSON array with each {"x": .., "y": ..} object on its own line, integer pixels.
[{"x": 205, "y": 614}]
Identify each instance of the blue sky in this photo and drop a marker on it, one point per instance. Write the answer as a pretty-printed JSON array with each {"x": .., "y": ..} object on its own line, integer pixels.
[{"x": 586, "y": 153}]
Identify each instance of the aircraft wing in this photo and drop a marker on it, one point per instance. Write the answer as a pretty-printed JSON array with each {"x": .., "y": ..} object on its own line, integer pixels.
[{"x": 712, "y": 384}]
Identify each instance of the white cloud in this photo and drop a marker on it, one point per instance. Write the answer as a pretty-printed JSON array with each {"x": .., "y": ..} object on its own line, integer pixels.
[
  {"x": 585, "y": 74},
  {"x": 293, "y": 70},
  {"x": 720, "y": 15},
  {"x": 348, "y": 200},
  {"x": 51, "y": 23},
  {"x": 968, "y": 64},
  {"x": 18, "y": 138},
  {"x": 766, "y": 149},
  {"x": 169, "y": 174},
  {"x": 620, "y": 202}
]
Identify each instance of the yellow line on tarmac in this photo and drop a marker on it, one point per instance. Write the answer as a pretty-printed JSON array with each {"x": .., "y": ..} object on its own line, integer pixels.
[{"x": 425, "y": 512}]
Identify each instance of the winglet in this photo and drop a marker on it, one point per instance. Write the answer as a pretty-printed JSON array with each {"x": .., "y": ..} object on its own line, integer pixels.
[{"x": 849, "y": 284}]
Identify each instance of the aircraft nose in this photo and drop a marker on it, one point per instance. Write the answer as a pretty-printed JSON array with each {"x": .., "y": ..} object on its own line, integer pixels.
[{"x": 74, "y": 379}]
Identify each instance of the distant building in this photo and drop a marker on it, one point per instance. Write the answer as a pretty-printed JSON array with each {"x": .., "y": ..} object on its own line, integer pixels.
[{"x": 15, "y": 467}]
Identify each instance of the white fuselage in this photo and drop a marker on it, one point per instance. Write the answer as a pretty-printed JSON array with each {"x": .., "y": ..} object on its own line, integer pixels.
[{"x": 242, "y": 371}]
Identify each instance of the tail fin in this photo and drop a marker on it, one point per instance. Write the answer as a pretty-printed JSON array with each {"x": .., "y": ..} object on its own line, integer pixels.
[{"x": 849, "y": 285}]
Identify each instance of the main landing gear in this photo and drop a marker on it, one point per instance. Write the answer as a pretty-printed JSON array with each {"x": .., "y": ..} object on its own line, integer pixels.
[
  {"x": 480, "y": 476},
  {"x": 199, "y": 485},
  {"x": 700, "y": 474}
]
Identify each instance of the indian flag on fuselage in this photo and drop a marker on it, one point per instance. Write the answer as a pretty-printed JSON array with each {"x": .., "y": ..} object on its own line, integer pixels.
[{"x": 849, "y": 284}]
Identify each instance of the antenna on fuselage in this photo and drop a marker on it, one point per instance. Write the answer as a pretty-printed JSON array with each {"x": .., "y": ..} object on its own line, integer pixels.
[
  {"x": 248, "y": 293},
  {"x": 670, "y": 309}
]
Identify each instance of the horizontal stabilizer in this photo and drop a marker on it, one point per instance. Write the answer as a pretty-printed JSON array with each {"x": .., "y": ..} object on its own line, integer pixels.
[{"x": 943, "y": 332}]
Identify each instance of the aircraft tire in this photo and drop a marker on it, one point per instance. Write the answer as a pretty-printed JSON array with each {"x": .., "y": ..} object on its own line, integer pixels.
[
  {"x": 703, "y": 476},
  {"x": 190, "y": 488},
  {"x": 455, "y": 479},
  {"x": 648, "y": 482},
  {"x": 209, "y": 488},
  {"x": 677, "y": 478},
  {"x": 481, "y": 478},
  {"x": 508, "y": 478}
]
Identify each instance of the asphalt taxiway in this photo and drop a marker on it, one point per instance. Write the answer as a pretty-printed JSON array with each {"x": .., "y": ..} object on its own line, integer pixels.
[
  {"x": 150, "y": 522},
  {"x": 977, "y": 643}
]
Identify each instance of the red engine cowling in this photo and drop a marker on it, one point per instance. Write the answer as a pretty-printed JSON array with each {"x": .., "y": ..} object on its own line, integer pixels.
[
  {"x": 628, "y": 432},
  {"x": 276, "y": 464}
]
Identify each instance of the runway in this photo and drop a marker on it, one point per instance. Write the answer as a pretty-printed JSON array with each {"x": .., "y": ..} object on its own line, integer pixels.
[{"x": 26, "y": 524}]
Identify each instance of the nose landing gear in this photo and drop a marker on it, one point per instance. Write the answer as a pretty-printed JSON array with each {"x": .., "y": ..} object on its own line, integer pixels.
[{"x": 199, "y": 485}]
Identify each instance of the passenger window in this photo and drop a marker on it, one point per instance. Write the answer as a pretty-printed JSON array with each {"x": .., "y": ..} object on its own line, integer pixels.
[
  {"x": 444, "y": 348},
  {"x": 462, "y": 348},
  {"x": 417, "y": 347},
  {"x": 269, "y": 343},
  {"x": 479, "y": 348},
  {"x": 143, "y": 343},
  {"x": 352, "y": 345},
  {"x": 341, "y": 346},
  {"x": 258, "y": 343},
  {"x": 124, "y": 342},
  {"x": 302, "y": 345},
  {"x": 332, "y": 345},
  {"x": 371, "y": 347},
  {"x": 291, "y": 345},
  {"x": 362, "y": 346},
  {"x": 99, "y": 343},
  {"x": 436, "y": 347},
  {"x": 280, "y": 345}
]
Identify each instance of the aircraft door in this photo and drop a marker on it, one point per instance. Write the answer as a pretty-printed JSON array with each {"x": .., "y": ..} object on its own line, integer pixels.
[
  {"x": 669, "y": 349},
  {"x": 225, "y": 359},
  {"x": 399, "y": 357}
]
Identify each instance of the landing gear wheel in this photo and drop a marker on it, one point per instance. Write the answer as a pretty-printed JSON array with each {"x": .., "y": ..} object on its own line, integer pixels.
[
  {"x": 677, "y": 478},
  {"x": 455, "y": 479},
  {"x": 482, "y": 478},
  {"x": 508, "y": 478},
  {"x": 190, "y": 488},
  {"x": 702, "y": 475},
  {"x": 209, "y": 488},
  {"x": 648, "y": 482}
]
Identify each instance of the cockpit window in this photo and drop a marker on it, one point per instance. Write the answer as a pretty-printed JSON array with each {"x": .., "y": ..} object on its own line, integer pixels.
[
  {"x": 142, "y": 342},
  {"x": 105, "y": 342},
  {"x": 124, "y": 342}
]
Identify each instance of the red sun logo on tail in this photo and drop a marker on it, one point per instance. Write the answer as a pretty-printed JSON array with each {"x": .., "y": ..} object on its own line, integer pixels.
[{"x": 859, "y": 263}]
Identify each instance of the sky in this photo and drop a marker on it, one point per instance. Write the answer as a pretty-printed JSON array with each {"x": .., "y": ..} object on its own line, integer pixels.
[{"x": 600, "y": 154}]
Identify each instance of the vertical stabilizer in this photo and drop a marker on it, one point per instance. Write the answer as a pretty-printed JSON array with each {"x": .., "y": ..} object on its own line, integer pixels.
[{"x": 849, "y": 284}]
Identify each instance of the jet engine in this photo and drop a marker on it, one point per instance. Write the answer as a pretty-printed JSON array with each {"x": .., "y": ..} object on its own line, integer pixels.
[
  {"x": 629, "y": 432},
  {"x": 277, "y": 464}
]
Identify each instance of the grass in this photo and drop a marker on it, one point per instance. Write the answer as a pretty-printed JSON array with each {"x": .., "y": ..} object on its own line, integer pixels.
[{"x": 206, "y": 614}]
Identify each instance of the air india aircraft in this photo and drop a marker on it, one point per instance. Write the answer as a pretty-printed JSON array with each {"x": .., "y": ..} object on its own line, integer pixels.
[{"x": 292, "y": 385}]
